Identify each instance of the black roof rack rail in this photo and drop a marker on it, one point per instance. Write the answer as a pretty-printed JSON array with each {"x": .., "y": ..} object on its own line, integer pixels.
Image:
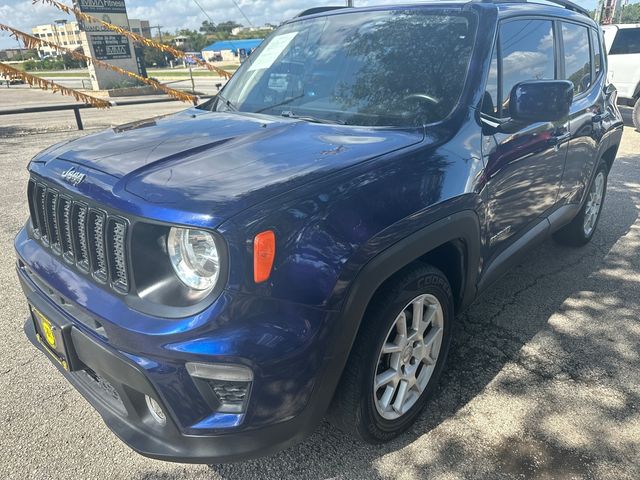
[
  {"x": 561, "y": 3},
  {"x": 314, "y": 10}
]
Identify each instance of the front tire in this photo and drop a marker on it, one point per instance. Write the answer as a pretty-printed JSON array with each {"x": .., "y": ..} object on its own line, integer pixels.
[
  {"x": 636, "y": 115},
  {"x": 581, "y": 229},
  {"x": 398, "y": 356}
]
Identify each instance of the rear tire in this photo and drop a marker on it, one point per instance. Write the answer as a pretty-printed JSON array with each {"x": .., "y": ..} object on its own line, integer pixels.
[
  {"x": 406, "y": 366},
  {"x": 581, "y": 229},
  {"x": 636, "y": 115}
]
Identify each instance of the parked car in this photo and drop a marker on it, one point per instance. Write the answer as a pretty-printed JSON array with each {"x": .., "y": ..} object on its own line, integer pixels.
[
  {"x": 11, "y": 80},
  {"x": 216, "y": 281},
  {"x": 623, "y": 46}
]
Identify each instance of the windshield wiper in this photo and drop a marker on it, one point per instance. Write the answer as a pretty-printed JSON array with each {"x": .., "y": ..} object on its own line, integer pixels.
[
  {"x": 311, "y": 118},
  {"x": 227, "y": 103},
  {"x": 288, "y": 100}
]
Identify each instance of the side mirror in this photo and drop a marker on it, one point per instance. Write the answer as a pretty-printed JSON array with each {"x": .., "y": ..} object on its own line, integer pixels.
[{"x": 540, "y": 100}]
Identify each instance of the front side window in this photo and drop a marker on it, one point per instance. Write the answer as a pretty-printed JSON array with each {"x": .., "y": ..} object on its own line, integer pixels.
[
  {"x": 385, "y": 68},
  {"x": 577, "y": 56},
  {"x": 490, "y": 102},
  {"x": 527, "y": 53},
  {"x": 627, "y": 41}
]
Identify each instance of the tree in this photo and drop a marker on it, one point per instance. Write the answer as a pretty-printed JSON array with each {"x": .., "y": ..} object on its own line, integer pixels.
[
  {"x": 631, "y": 13},
  {"x": 154, "y": 57},
  {"x": 197, "y": 41},
  {"x": 227, "y": 26},
  {"x": 208, "y": 27}
]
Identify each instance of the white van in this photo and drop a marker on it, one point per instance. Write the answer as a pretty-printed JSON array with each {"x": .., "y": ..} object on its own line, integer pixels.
[{"x": 623, "y": 46}]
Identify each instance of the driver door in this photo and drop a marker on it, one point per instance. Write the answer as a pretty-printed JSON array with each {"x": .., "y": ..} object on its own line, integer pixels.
[{"x": 523, "y": 169}]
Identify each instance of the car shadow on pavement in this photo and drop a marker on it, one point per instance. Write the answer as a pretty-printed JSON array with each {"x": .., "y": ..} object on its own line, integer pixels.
[{"x": 535, "y": 386}]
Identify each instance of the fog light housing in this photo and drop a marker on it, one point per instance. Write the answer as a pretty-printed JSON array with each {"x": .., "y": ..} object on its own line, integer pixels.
[
  {"x": 155, "y": 410},
  {"x": 225, "y": 387}
]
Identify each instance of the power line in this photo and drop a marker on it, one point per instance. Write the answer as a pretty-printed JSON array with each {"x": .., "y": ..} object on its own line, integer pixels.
[
  {"x": 243, "y": 14},
  {"x": 204, "y": 11},
  {"x": 213, "y": 23}
]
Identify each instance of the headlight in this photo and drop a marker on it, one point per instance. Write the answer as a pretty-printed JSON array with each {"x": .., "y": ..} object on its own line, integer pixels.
[{"x": 194, "y": 257}]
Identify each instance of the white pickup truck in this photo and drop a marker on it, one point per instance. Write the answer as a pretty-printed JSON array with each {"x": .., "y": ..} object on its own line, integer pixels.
[{"x": 623, "y": 46}]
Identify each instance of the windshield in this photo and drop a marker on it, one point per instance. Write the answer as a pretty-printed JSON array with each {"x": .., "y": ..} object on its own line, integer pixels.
[{"x": 387, "y": 68}]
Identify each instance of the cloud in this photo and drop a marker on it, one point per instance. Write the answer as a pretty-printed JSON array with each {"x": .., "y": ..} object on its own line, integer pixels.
[
  {"x": 176, "y": 14},
  {"x": 171, "y": 14}
]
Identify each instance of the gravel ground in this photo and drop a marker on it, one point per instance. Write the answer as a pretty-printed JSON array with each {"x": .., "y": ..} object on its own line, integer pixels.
[{"x": 544, "y": 377}]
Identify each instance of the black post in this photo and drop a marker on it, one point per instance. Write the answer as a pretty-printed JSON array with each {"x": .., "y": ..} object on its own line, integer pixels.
[{"x": 76, "y": 112}]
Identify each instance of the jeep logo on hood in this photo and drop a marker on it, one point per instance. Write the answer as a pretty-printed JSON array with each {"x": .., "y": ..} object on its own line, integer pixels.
[{"x": 73, "y": 176}]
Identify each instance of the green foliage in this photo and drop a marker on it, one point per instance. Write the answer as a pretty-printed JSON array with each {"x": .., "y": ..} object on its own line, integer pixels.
[
  {"x": 125, "y": 83},
  {"x": 631, "y": 13},
  {"x": 155, "y": 58},
  {"x": 196, "y": 41},
  {"x": 62, "y": 62},
  {"x": 254, "y": 34},
  {"x": 227, "y": 26},
  {"x": 210, "y": 33},
  {"x": 207, "y": 27}
]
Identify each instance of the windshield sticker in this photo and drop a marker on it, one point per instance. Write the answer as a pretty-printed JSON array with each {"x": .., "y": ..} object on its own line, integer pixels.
[{"x": 272, "y": 51}]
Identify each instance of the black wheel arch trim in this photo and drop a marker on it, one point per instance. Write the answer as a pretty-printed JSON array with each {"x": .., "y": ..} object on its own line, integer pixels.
[{"x": 462, "y": 227}]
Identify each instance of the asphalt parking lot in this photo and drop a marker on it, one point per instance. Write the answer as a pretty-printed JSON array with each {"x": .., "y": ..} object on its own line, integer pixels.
[{"x": 544, "y": 377}]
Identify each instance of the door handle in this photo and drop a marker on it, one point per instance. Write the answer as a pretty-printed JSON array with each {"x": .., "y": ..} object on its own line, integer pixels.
[{"x": 557, "y": 140}]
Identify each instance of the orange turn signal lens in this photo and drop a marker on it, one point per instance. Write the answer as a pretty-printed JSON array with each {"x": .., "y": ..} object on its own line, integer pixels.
[{"x": 264, "y": 252}]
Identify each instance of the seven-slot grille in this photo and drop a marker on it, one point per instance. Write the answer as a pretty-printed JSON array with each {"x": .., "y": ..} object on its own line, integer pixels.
[{"x": 89, "y": 238}]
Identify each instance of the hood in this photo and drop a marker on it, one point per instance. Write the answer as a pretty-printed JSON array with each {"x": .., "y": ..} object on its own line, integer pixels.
[{"x": 221, "y": 163}]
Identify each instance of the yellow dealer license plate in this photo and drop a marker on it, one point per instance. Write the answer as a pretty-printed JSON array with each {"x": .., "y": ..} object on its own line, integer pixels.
[{"x": 50, "y": 337}]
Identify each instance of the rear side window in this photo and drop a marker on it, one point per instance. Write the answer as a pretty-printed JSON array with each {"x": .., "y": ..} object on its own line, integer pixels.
[
  {"x": 597, "y": 52},
  {"x": 627, "y": 41},
  {"x": 577, "y": 57}
]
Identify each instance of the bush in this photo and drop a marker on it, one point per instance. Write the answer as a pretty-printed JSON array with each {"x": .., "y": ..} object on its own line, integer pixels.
[{"x": 53, "y": 63}]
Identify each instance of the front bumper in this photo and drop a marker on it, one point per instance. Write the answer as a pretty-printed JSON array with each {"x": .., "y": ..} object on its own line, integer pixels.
[
  {"x": 135, "y": 426},
  {"x": 115, "y": 377}
]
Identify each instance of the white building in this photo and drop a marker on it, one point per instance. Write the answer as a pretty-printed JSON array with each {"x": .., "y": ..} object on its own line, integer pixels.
[
  {"x": 62, "y": 33},
  {"x": 67, "y": 34}
]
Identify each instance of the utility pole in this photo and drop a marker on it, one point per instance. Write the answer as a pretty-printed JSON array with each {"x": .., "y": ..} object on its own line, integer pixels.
[
  {"x": 349, "y": 3},
  {"x": 159, "y": 32},
  {"x": 159, "y": 27}
]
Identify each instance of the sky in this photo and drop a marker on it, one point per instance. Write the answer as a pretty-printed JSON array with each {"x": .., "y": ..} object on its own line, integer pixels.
[{"x": 175, "y": 14}]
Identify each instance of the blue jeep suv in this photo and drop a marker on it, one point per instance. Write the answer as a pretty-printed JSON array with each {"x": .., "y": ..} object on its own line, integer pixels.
[{"x": 216, "y": 281}]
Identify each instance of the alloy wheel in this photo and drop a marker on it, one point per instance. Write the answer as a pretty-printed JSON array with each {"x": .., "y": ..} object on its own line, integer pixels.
[
  {"x": 594, "y": 204},
  {"x": 408, "y": 357}
]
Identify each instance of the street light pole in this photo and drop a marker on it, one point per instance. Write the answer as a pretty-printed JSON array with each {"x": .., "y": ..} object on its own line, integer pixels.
[{"x": 349, "y": 3}]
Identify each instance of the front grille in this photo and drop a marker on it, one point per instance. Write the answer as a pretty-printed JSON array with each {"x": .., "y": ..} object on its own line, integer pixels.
[{"x": 89, "y": 238}]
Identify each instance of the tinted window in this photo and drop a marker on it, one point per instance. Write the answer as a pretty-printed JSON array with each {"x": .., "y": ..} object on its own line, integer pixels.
[
  {"x": 490, "y": 101},
  {"x": 577, "y": 57},
  {"x": 597, "y": 51},
  {"x": 387, "y": 68},
  {"x": 627, "y": 41},
  {"x": 527, "y": 53}
]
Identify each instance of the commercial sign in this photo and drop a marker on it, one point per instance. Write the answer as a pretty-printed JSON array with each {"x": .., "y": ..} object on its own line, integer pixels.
[
  {"x": 111, "y": 47},
  {"x": 110, "y": 11},
  {"x": 106, "y": 45},
  {"x": 102, "y": 6}
]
